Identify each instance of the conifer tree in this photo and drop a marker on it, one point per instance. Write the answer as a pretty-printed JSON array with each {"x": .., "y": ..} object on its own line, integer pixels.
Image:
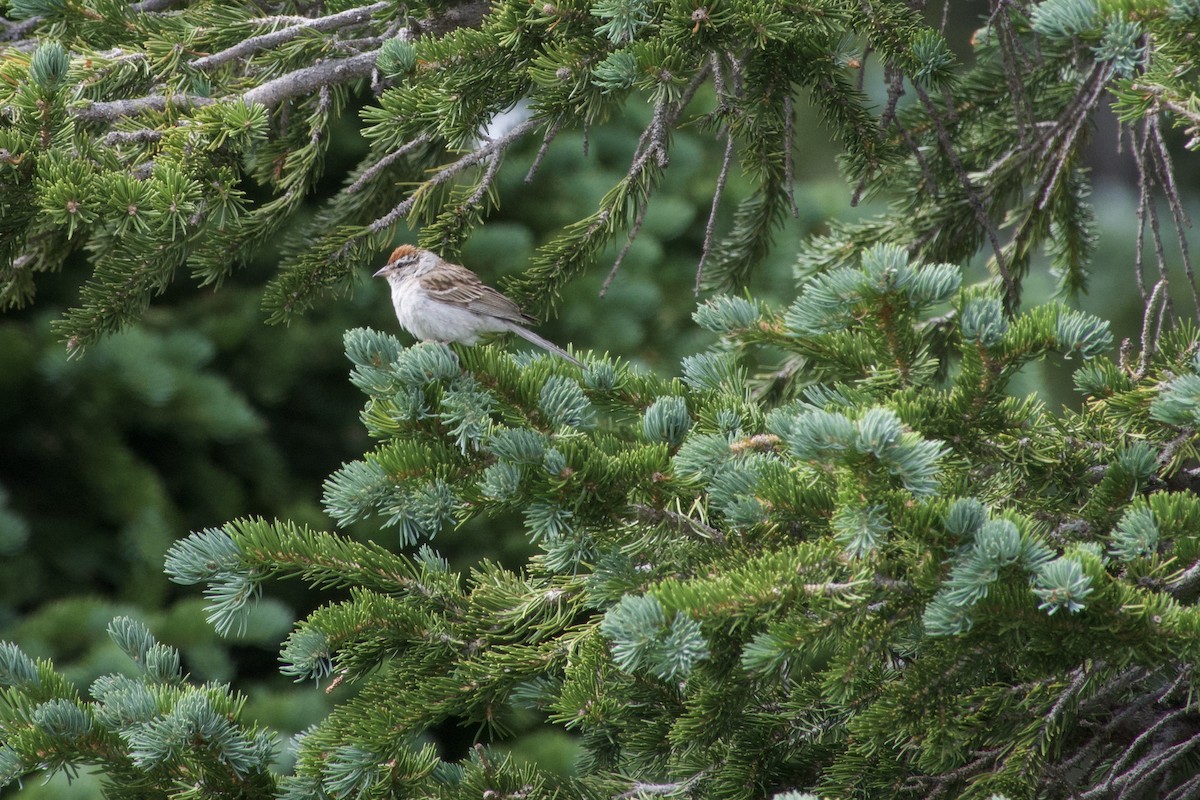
[{"x": 869, "y": 572}]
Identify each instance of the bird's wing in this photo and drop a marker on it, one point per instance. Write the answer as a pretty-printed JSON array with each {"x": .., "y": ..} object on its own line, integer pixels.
[{"x": 459, "y": 286}]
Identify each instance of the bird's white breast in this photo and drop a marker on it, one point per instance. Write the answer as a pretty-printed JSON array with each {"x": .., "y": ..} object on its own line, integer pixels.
[{"x": 431, "y": 320}]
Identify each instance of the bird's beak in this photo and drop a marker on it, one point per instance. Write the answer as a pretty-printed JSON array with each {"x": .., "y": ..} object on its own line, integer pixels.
[{"x": 382, "y": 270}]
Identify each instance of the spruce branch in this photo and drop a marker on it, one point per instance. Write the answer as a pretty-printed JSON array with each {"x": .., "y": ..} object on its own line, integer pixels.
[
  {"x": 678, "y": 522},
  {"x": 113, "y": 110},
  {"x": 1154, "y": 307},
  {"x": 551, "y": 134},
  {"x": 711, "y": 225},
  {"x": 342, "y": 19},
  {"x": 306, "y": 80},
  {"x": 1148, "y": 209},
  {"x": 298, "y": 83},
  {"x": 1017, "y": 66},
  {"x": 484, "y": 152},
  {"x": 375, "y": 170},
  {"x": 1067, "y": 128},
  {"x": 1165, "y": 171},
  {"x": 634, "y": 230},
  {"x": 976, "y": 203}
]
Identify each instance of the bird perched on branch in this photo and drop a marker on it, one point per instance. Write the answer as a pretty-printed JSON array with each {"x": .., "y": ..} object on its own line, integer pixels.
[{"x": 438, "y": 301}]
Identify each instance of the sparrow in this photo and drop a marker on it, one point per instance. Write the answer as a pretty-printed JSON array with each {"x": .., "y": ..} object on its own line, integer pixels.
[{"x": 436, "y": 300}]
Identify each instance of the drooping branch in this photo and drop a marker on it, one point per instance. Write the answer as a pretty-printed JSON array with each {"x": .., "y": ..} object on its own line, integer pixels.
[{"x": 495, "y": 146}]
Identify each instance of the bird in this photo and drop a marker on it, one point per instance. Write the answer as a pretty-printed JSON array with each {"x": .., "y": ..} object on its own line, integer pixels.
[{"x": 439, "y": 301}]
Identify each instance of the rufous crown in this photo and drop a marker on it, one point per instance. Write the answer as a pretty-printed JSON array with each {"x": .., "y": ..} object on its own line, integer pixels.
[{"x": 404, "y": 251}]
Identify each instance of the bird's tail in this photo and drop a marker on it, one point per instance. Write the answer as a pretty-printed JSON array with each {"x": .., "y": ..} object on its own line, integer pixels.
[{"x": 545, "y": 344}]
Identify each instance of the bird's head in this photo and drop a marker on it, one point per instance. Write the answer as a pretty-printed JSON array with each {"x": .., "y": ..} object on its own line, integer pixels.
[{"x": 403, "y": 260}]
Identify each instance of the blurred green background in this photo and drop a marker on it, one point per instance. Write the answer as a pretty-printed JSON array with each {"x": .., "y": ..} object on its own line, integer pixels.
[{"x": 202, "y": 413}]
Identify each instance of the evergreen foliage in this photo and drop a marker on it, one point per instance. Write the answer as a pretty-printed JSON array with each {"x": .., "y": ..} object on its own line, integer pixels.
[
  {"x": 869, "y": 570},
  {"x": 159, "y": 140},
  {"x": 848, "y": 590}
]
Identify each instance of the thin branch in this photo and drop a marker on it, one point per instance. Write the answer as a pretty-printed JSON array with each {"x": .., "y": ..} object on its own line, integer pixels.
[
  {"x": 1150, "y": 343},
  {"x": 678, "y": 522},
  {"x": 1081, "y": 676},
  {"x": 1155, "y": 764},
  {"x": 711, "y": 226},
  {"x": 551, "y": 134},
  {"x": 1009, "y": 50},
  {"x": 445, "y": 174},
  {"x": 652, "y": 143},
  {"x": 1188, "y": 789},
  {"x": 1118, "y": 769},
  {"x": 860, "y": 81},
  {"x": 633, "y": 233},
  {"x": 1166, "y": 181},
  {"x": 293, "y": 84},
  {"x": 465, "y": 15},
  {"x": 353, "y": 16},
  {"x": 270, "y": 94},
  {"x": 895, "y": 83},
  {"x": 976, "y": 202},
  {"x": 16, "y": 31},
  {"x": 1074, "y": 115},
  {"x": 485, "y": 182},
  {"x": 370, "y": 173},
  {"x": 789, "y": 162},
  {"x": 1145, "y": 177},
  {"x": 1143, "y": 201}
]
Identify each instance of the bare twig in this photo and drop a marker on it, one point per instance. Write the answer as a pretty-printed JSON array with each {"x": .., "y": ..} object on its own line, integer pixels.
[
  {"x": 1147, "y": 207},
  {"x": 150, "y": 6},
  {"x": 551, "y": 133},
  {"x": 486, "y": 181},
  {"x": 1188, "y": 789},
  {"x": 1117, "y": 772},
  {"x": 633, "y": 233},
  {"x": 465, "y": 15},
  {"x": 651, "y": 145},
  {"x": 1165, "y": 171},
  {"x": 16, "y": 31},
  {"x": 860, "y": 81},
  {"x": 1073, "y": 117},
  {"x": 298, "y": 82},
  {"x": 894, "y": 79},
  {"x": 976, "y": 202},
  {"x": 1009, "y": 53},
  {"x": 270, "y": 94},
  {"x": 370, "y": 173},
  {"x": 711, "y": 226},
  {"x": 789, "y": 162},
  {"x": 353, "y": 16},
  {"x": 497, "y": 145},
  {"x": 1143, "y": 202}
]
